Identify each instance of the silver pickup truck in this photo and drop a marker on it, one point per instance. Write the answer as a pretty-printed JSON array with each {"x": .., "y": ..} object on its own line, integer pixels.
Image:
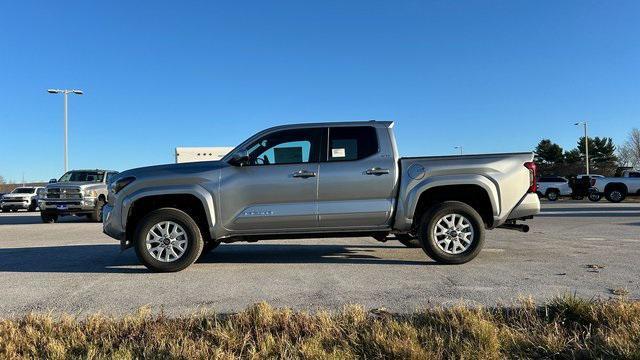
[
  {"x": 77, "y": 192},
  {"x": 320, "y": 180}
]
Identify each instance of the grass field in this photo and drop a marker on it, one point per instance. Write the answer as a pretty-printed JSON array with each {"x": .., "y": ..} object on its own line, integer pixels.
[{"x": 567, "y": 327}]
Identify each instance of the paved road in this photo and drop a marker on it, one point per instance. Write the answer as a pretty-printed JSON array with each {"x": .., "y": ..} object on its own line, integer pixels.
[{"x": 72, "y": 267}]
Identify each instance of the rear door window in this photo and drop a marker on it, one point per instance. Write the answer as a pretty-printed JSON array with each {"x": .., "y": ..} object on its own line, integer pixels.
[{"x": 352, "y": 143}]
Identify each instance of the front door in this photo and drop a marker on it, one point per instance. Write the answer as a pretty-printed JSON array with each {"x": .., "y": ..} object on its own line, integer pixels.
[
  {"x": 358, "y": 179},
  {"x": 277, "y": 187}
]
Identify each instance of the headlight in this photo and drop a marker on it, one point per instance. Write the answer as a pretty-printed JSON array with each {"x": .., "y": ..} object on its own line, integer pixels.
[
  {"x": 89, "y": 193},
  {"x": 119, "y": 184}
]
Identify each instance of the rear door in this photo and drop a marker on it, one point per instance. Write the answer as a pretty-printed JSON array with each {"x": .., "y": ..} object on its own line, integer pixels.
[{"x": 357, "y": 179}]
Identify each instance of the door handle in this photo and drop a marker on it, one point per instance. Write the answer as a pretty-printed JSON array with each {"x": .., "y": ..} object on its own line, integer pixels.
[
  {"x": 377, "y": 171},
  {"x": 303, "y": 174}
]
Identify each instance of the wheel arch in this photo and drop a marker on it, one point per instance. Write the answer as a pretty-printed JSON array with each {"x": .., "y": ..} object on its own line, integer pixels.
[
  {"x": 616, "y": 185},
  {"x": 193, "y": 200},
  {"x": 478, "y": 192}
]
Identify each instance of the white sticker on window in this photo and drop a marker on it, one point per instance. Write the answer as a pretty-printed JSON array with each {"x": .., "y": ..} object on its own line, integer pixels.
[{"x": 337, "y": 153}]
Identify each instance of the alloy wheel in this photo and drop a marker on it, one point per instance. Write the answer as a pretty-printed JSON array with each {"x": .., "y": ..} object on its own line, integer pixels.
[
  {"x": 453, "y": 233},
  {"x": 167, "y": 241}
]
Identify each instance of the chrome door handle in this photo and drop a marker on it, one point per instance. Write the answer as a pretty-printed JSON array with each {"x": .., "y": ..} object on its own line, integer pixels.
[
  {"x": 377, "y": 171},
  {"x": 303, "y": 174}
]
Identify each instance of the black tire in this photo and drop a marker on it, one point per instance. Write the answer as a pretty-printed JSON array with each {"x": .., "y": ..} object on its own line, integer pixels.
[
  {"x": 428, "y": 240},
  {"x": 194, "y": 240},
  {"x": 48, "y": 218},
  {"x": 96, "y": 214},
  {"x": 594, "y": 197},
  {"x": 615, "y": 195},
  {"x": 553, "y": 195},
  {"x": 33, "y": 206},
  {"x": 408, "y": 240}
]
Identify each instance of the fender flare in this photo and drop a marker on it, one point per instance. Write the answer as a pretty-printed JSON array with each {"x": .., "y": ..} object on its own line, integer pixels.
[
  {"x": 621, "y": 185},
  {"x": 188, "y": 189},
  {"x": 411, "y": 201}
]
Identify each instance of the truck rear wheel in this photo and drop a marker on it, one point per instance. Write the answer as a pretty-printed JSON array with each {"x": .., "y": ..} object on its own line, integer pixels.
[
  {"x": 615, "y": 195},
  {"x": 451, "y": 233},
  {"x": 167, "y": 240}
]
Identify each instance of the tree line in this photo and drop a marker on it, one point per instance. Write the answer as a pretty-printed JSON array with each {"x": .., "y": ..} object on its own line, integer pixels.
[{"x": 604, "y": 156}]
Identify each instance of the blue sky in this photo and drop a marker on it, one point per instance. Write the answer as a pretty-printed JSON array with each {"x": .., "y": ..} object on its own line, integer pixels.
[{"x": 492, "y": 76}]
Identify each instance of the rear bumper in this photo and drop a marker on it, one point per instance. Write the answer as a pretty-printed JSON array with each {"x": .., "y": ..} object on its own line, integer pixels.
[{"x": 528, "y": 206}]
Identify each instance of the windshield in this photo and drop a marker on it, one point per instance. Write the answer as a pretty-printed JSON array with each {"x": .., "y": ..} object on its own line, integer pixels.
[
  {"x": 84, "y": 176},
  {"x": 23, "y": 191}
]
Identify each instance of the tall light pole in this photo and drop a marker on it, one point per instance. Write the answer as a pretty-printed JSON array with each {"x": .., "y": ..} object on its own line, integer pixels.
[
  {"x": 66, "y": 94},
  {"x": 458, "y": 148},
  {"x": 586, "y": 145}
]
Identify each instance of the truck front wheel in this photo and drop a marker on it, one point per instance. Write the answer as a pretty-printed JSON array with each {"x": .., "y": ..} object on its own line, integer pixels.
[
  {"x": 96, "y": 214},
  {"x": 451, "y": 232},
  {"x": 48, "y": 218},
  {"x": 167, "y": 240}
]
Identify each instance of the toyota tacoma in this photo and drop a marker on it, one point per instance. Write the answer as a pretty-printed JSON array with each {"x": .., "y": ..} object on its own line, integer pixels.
[{"x": 320, "y": 180}]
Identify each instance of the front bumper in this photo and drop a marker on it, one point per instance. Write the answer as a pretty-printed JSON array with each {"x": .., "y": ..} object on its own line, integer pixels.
[
  {"x": 528, "y": 206},
  {"x": 68, "y": 206},
  {"x": 111, "y": 224},
  {"x": 23, "y": 204}
]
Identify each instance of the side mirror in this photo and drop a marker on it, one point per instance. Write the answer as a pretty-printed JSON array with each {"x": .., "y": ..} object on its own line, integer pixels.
[
  {"x": 240, "y": 158},
  {"x": 51, "y": 181}
]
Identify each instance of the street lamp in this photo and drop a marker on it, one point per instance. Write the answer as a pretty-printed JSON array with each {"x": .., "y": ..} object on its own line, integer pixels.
[
  {"x": 458, "y": 148},
  {"x": 66, "y": 93},
  {"x": 586, "y": 145}
]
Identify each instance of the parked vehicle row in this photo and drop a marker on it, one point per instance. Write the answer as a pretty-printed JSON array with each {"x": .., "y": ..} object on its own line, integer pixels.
[
  {"x": 320, "y": 180},
  {"x": 594, "y": 187},
  {"x": 21, "y": 198}
]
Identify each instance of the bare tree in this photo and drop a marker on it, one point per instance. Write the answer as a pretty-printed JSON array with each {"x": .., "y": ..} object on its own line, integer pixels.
[
  {"x": 2, "y": 181},
  {"x": 629, "y": 152}
]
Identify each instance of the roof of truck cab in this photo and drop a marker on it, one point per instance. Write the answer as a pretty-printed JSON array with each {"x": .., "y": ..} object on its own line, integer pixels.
[
  {"x": 92, "y": 170},
  {"x": 376, "y": 123}
]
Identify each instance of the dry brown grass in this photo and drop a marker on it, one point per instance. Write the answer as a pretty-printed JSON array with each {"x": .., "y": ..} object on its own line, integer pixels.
[{"x": 568, "y": 327}]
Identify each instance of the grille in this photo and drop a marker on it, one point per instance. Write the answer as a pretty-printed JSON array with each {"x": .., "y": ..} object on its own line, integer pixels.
[
  {"x": 70, "y": 193},
  {"x": 14, "y": 200}
]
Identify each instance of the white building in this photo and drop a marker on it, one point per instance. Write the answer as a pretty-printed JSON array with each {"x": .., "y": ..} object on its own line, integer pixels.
[{"x": 193, "y": 154}]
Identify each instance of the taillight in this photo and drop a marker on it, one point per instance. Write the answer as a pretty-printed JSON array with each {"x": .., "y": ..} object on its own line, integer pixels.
[
  {"x": 533, "y": 186},
  {"x": 593, "y": 182}
]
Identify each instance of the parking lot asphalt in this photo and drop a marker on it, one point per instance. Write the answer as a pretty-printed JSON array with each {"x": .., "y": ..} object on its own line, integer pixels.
[{"x": 573, "y": 247}]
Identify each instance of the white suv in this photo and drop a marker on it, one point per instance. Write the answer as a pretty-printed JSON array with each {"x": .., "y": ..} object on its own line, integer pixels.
[
  {"x": 553, "y": 187},
  {"x": 21, "y": 198}
]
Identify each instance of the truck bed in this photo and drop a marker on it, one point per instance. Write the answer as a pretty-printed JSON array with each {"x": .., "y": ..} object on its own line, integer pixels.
[{"x": 503, "y": 176}]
